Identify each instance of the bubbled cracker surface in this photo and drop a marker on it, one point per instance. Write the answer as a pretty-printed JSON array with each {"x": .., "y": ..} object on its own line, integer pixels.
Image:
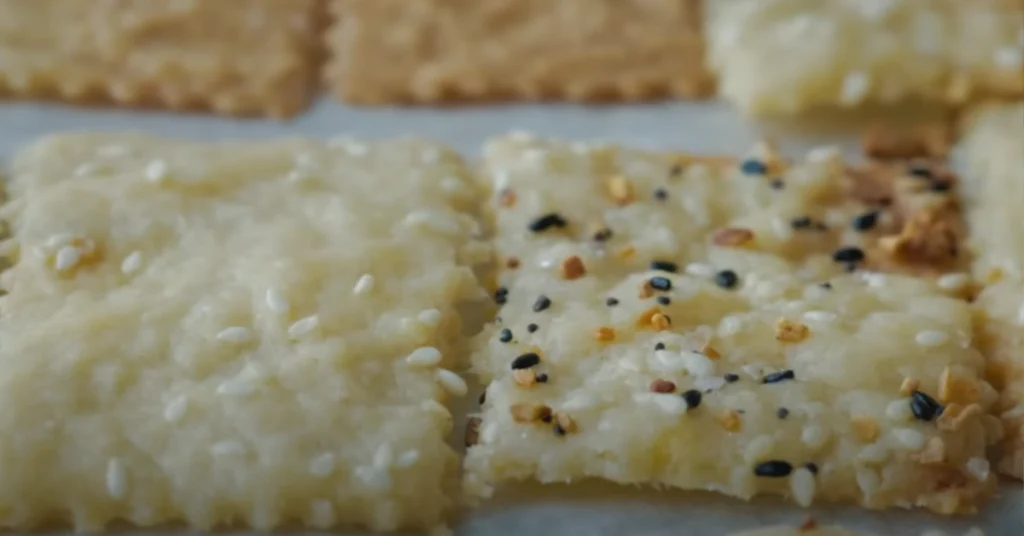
[
  {"x": 439, "y": 50},
  {"x": 864, "y": 335},
  {"x": 784, "y": 56},
  {"x": 995, "y": 194},
  {"x": 230, "y": 56},
  {"x": 123, "y": 394}
]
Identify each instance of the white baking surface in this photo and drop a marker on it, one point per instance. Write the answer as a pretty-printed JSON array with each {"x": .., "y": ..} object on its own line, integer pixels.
[{"x": 581, "y": 509}]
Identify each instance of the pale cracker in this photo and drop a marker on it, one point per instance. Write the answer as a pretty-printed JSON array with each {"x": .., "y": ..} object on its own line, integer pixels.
[
  {"x": 786, "y": 56},
  {"x": 236, "y": 57},
  {"x": 797, "y": 381},
  {"x": 994, "y": 192},
  {"x": 255, "y": 333},
  {"x": 451, "y": 50}
]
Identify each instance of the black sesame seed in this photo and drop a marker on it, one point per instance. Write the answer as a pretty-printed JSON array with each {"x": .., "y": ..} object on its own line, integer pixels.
[
  {"x": 659, "y": 346},
  {"x": 661, "y": 194},
  {"x": 501, "y": 295},
  {"x": 777, "y": 184},
  {"x": 542, "y": 378},
  {"x": 542, "y": 303},
  {"x": 848, "y": 254},
  {"x": 802, "y": 222},
  {"x": 812, "y": 467},
  {"x": 675, "y": 170},
  {"x": 664, "y": 266},
  {"x": 779, "y": 376},
  {"x": 661, "y": 283},
  {"x": 924, "y": 407},
  {"x": 664, "y": 300},
  {"x": 548, "y": 221},
  {"x": 483, "y": 398},
  {"x": 692, "y": 398},
  {"x": 753, "y": 167},
  {"x": 546, "y": 417},
  {"x": 526, "y": 361},
  {"x": 726, "y": 279},
  {"x": 531, "y": 327},
  {"x": 730, "y": 377},
  {"x": 602, "y": 235},
  {"x": 850, "y": 267},
  {"x": 782, "y": 413},
  {"x": 506, "y": 335},
  {"x": 865, "y": 221},
  {"x": 559, "y": 431},
  {"x": 611, "y": 302},
  {"x": 773, "y": 468},
  {"x": 941, "y": 186},
  {"x": 919, "y": 171},
  {"x": 826, "y": 285}
]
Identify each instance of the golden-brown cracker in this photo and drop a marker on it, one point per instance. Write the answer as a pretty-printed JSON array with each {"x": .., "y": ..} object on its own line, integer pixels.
[
  {"x": 236, "y": 57},
  {"x": 584, "y": 50}
]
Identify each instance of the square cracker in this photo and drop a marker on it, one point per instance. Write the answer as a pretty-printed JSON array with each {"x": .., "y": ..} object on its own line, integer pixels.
[
  {"x": 753, "y": 377},
  {"x": 994, "y": 198},
  {"x": 436, "y": 50},
  {"x": 236, "y": 57},
  {"x": 786, "y": 56},
  {"x": 255, "y": 333}
]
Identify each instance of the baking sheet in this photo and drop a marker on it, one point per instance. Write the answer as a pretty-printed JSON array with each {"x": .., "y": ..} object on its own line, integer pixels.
[{"x": 588, "y": 508}]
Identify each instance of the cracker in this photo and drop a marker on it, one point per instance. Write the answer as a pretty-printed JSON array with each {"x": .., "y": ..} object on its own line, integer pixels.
[
  {"x": 450, "y": 50},
  {"x": 786, "y": 56},
  {"x": 235, "y": 57},
  {"x": 252, "y": 333},
  {"x": 995, "y": 195},
  {"x": 782, "y": 384}
]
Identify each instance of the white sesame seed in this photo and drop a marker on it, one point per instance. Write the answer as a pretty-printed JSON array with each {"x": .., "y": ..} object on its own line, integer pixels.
[
  {"x": 1009, "y": 58},
  {"x": 813, "y": 436},
  {"x": 668, "y": 361},
  {"x": 364, "y": 285},
  {"x": 730, "y": 326},
  {"x": 978, "y": 467},
  {"x": 438, "y": 222},
  {"x": 376, "y": 480},
  {"x": 322, "y": 464},
  {"x": 700, "y": 269},
  {"x": 755, "y": 372},
  {"x": 824, "y": 154},
  {"x": 821, "y": 317},
  {"x": 931, "y": 338},
  {"x": 803, "y": 486},
  {"x": 59, "y": 240},
  {"x": 489, "y": 432},
  {"x": 156, "y": 171},
  {"x": 117, "y": 479},
  {"x": 429, "y": 317},
  {"x": 175, "y": 409},
  {"x": 304, "y": 326},
  {"x": 321, "y": 513},
  {"x": 782, "y": 229},
  {"x": 697, "y": 364},
  {"x": 706, "y": 383},
  {"x": 276, "y": 301},
  {"x": 578, "y": 401},
  {"x": 236, "y": 387},
  {"x": 873, "y": 453},
  {"x": 868, "y": 480},
  {"x": 758, "y": 448},
  {"x": 855, "y": 88},
  {"x": 953, "y": 281},
  {"x": 667, "y": 403},
  {"x": 910, "y": 438},
  {"x": 132, "y": 263},
  {"x": 502, "y": 178},
  {"x": 899, "y": 410},
  {"x": 235, "y": 334},
  {"x": 67, "y": 258},
  {"x": 383, "y": 457},
  {"x": 425, "y": 356},
  {"x": 452, "y": 383},
  {"x": 1013, "y": 413},
  {"x": 227, "y": 448},
  {"x": 407, "y": 459},
  {"x": 874, "y": 279}
]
